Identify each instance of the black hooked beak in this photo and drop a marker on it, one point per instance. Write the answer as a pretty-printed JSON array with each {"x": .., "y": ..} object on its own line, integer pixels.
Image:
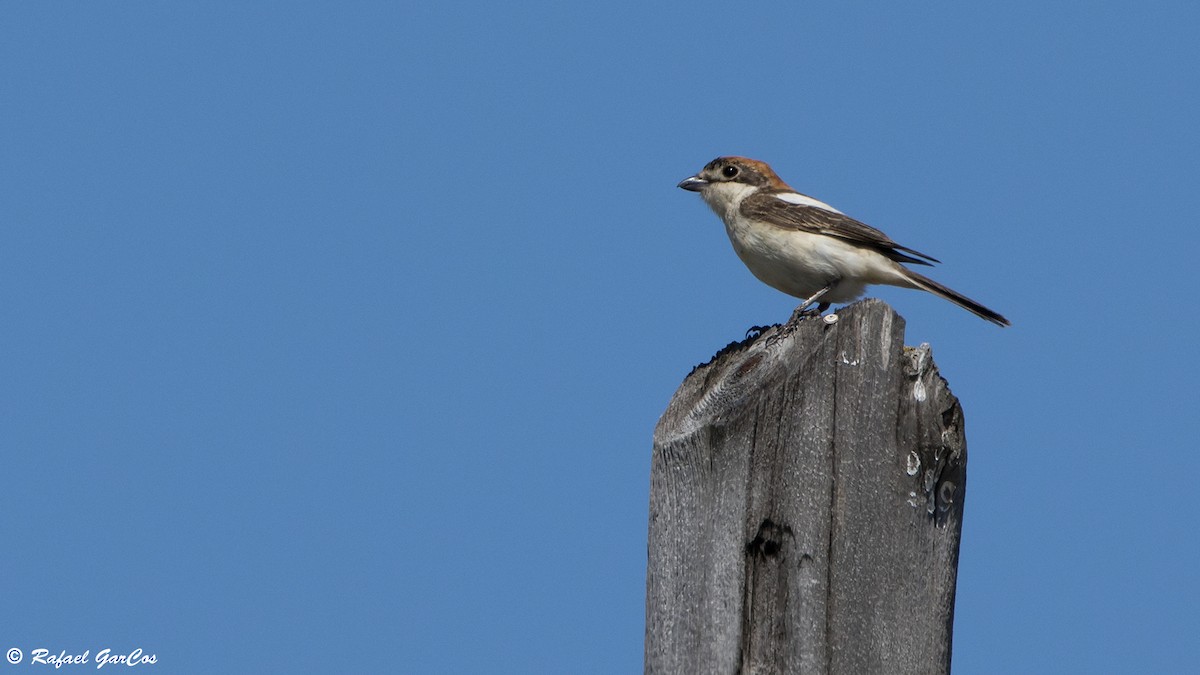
[{"x": 692, "y": 183}]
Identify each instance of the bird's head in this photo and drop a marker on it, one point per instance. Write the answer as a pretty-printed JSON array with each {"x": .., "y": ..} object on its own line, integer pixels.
[
  {"x": 725, "y": 181},
  {"x": 735, "y": 171}
]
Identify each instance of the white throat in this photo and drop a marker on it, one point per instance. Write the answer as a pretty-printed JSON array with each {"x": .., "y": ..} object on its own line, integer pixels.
[{"x": 726, "y": 198}]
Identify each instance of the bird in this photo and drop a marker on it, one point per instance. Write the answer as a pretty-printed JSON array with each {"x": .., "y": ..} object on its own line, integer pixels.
[{"x": 805, "y": 247}]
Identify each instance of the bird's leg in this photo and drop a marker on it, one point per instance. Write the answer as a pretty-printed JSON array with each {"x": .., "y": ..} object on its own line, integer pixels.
[{"x": 800, "y": 311}]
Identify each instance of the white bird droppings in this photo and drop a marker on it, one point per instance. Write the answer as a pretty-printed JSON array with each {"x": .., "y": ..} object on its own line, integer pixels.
[{"x": 913, "y": 464}]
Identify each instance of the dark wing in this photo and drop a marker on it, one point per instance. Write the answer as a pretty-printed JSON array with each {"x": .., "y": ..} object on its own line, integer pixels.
[{"x": 767, "y": 206}]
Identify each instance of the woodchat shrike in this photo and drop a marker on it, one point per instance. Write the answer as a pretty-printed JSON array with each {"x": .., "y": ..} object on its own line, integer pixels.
[{"x": 805, "y": 247}]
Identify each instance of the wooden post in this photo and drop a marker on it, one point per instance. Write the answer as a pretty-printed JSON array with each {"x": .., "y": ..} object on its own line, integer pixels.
[{"x": 805, "y": 506}]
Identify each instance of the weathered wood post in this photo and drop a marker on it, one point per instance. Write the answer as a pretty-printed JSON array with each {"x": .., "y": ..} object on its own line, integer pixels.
[{"x": 805, "y": 506}]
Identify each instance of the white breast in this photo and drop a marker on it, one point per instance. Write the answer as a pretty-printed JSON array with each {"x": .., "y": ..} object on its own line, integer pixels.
[
  {"x": 793, "y": 261},
  {"x": 801, "y": 263}
]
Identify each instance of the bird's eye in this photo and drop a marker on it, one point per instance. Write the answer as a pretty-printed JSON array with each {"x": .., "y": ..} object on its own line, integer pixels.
[{"x": 729, "y": 171}]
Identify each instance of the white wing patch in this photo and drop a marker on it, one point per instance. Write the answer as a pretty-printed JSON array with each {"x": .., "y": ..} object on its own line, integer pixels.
[{"x": 804, "y": 200}]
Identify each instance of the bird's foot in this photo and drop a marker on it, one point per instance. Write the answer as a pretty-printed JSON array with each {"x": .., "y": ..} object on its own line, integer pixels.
[{"x": 804, "y": 312}]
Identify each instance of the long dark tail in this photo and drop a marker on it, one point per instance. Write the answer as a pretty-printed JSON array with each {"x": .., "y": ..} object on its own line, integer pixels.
[{"x": 927, "y": 284}]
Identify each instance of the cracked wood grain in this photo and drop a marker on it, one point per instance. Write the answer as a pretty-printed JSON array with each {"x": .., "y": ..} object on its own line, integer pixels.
[{"x": 805, "y": 506}]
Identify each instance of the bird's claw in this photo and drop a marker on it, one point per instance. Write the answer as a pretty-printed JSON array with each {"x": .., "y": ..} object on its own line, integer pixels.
[{"x": 804, "y": 314}]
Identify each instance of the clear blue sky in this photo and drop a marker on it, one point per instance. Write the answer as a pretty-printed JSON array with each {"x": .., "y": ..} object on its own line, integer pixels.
[{"x": 334, "y": 334}]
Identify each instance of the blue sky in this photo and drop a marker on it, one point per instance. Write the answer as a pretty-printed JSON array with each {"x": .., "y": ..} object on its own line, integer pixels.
[{"x": 335, "y": 334}]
